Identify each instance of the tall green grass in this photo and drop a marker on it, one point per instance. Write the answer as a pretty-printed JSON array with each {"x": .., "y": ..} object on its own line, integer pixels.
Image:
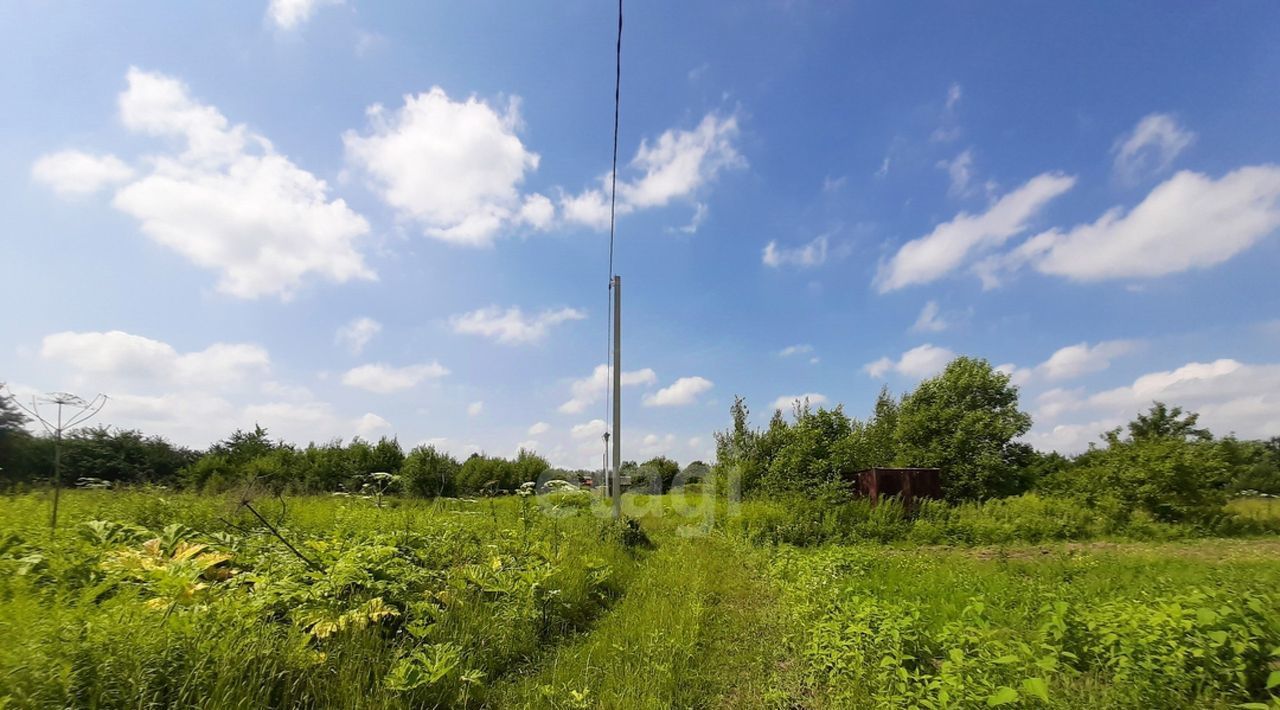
[
  {"x": 1166, "y": 626},
  {"x": 147, "y": 600}
]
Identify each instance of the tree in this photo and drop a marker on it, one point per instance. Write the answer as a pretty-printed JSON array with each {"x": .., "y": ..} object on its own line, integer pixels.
[
  {"x": 1161, "y": 421},
  {"x": 656, "y": 475},
  {"x": 429, "y": 472},
  {"x": 963, "y": 421},
  {"x": 736, "y": 450},
  {"x": 13, "y": 441},
  {"x": 695, "y": 472}
]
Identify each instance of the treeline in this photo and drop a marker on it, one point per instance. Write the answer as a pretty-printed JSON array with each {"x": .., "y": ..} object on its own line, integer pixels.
[
  {"x": 966, "y": 421},
  {"x": 101, "y": 456}
]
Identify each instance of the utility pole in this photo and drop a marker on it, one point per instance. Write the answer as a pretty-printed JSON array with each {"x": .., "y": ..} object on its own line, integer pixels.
[{"x": 616, "y": 479}]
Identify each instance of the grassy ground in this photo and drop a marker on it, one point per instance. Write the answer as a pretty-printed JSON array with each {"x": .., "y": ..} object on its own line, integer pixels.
[{"x": 172, "y": 599}]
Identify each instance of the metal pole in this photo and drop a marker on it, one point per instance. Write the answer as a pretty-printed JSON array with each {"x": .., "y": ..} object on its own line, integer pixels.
[
  {"x": 57, "y": 470},
  {"x": 616, "y": 480}
]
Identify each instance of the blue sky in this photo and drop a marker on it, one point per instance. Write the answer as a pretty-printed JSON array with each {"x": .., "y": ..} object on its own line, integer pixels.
[{"x": 334, "y": 218}]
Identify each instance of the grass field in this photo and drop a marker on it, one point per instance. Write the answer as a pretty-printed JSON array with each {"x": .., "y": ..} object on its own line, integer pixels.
[{"x": 151, "y": 599}]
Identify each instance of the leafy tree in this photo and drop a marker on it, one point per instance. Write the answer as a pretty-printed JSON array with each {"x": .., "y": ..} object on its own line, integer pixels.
[
  {"x": 123, "y": 456},
  {"x": 14, "y": 442},
  {"x": 656, "y": 474},
  {"x": 737, "y": 455},
  {"x": 244, "y": 446},
  {"x": 429, "y": 472},
  {"x": 880, "y": 448},
  {"x": 387, "y": 455},
  {"x": 964, "y": 421},
  {"x": 1255, "y": 465},
  {"x": 809, "y": 454},
  {"x": 1161, "y": 421},
  {"x": 695, "y": 472},
  {"x": 1171, "y": 478}
]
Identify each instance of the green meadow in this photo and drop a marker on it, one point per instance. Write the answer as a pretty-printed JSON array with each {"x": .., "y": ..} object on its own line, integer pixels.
[{"x": 152, "y": 598}]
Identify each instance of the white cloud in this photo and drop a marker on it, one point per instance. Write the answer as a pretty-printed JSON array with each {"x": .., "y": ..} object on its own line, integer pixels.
[
  {"x": 800, "y": 349},
  {"x": 589, "y": 208},
  {"x": 357, "y": 334},
  {"x": 537, "y": 211},
  {"x": 1017, "y": 375},
  {"x": 512, "y": 326},
  {"x": 123, "y": 355},
  {"x": 371, "y": 424},
  {"x": 1082, "y": 358},
  {"x": 813, "y": 253},
  {"x": 593, "y": 429},
  {"x": 1189, "y": 221},
  {"x": 918, "y": 362},
  {"x": 787, "y": 401},
  {"x": 699, "y": 216},
  {"x": 191, "y": 398},
  {"x": 932, "y": 256},
  {"x": 590, "y": 389},
  {"x": 1150, "y": 148},
  {"x": 288, "y": 14},
  {"x": 384, "y": 379},
  {"x": 947, "y": 129},
  {"x": 1229, "y": 395},
  {"x": 454, "y": 167},
  {"x": 230, "y": 203},
  {"x": 475, "y": 408},
  {"x": 960, "y": 171},
  {"x": 883, "y": 170},
  {"x": 539, "y": 428},
  {"x": 930, "y": 319},
  {"x": 72, "y": 173},
  {"x": 674, "y": 167},
  {"x": 682, "y": 392}
]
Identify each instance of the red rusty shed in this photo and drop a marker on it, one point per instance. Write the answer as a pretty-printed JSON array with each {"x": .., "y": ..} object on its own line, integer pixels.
[{"x": 909, "y": 484}]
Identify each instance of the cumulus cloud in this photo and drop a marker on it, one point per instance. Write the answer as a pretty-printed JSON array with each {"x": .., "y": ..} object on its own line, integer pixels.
[
  {"x": 1190, "y": 221},
  {"x": 682, "y": 392},
  {"x": 813, "y": 253},
  {"x": 117, "y": 354},
  {"x": 948, "y": 246},
  {"x": 1082, "y": 358},
  {"x": 1229, "y": 395},
  {"x": 371, "y": 425},
  {"x": 787, "y": 401},
  {"x": 591, "y": 389},
  {"x": 511, "y": 326},
  {"x": 1150, "y": 148},
  {"x": 453, "y": 167},
  {"x": 1017, "y": 375},
  {"x": 676, "y": 166},
  {"x": 593, "y": 429},
  {"x": 539, "y": 428},
  {"x": 289, "y": 14},
  {"x": 72, "y": 173},
  {"x": 226, "y": 201},
  {"x": 357, "y": 334},
  {"x": 381, "y": 378},
  {"x": 918, "y": 362},
  {"x": 475, "y": 408},
  {"x": 192, "y": 398}
]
